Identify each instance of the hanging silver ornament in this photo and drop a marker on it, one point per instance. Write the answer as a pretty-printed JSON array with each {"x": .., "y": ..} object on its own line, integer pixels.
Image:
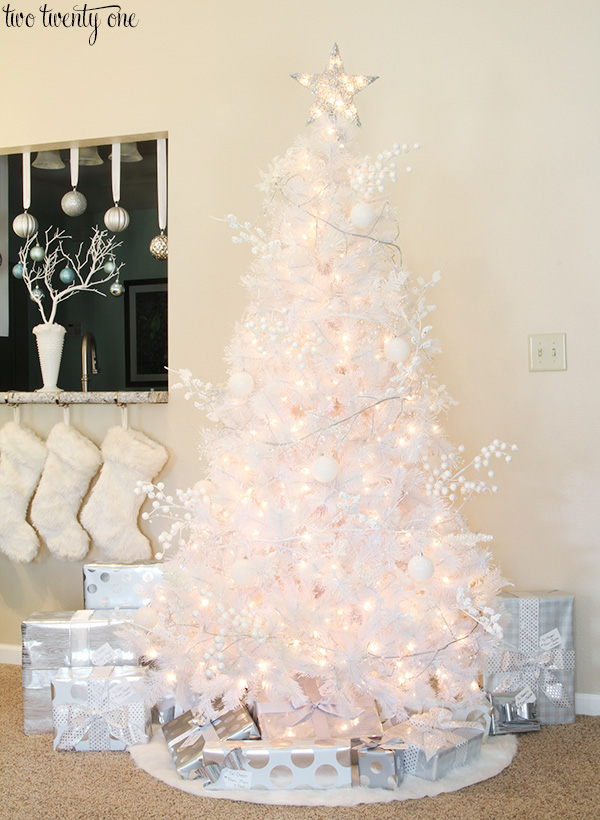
[
  {"x": 116, "y": 219},
  {"x": 37, "y": 253},
  {"x": 25, "y": 225},
  {"x": 73, "y": 203},
  {"x": 116, "y": 288},
  {"x": 159, "y": 247},
  {"x": 37, "y": 294}
]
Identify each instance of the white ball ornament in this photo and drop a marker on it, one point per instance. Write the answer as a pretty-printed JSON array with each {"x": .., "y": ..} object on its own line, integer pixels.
[
  {"x": 396, "y": 349},
  {"x": 146, "y": 617},
  {"x": 363, "y": 215},
  {"x": 324, "y": 469},
  {"x": 204, "y": 487},
  {"x": 241, "y": 384},
  {"x": 420, "y": 567},
  {"x": 116, "y": 219},
  {"x": 117, "y": 289},
  {"x": 244, "y": 572},
  {"x": 37, "y": 253},
  {"x": 25, "y": 225},
  {"x": 73, "y": 203}
]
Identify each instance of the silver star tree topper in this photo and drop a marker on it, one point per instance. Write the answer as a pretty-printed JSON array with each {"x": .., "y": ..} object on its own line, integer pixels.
[{"x": 334, "y": 90}]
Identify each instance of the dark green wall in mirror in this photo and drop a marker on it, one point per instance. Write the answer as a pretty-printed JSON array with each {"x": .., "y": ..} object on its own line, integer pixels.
[{"x": 104, "y": 317}]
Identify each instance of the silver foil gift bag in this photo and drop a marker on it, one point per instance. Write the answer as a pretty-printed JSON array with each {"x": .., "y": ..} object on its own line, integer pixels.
[{"x": 53, "y": 640}]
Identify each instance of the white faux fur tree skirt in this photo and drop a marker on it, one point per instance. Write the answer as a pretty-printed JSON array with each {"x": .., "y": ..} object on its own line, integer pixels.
[{"x": 496, "y": 754}]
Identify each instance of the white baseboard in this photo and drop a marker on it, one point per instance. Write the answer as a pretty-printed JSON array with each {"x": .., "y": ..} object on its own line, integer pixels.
[
  {"x": 10, "y": 653},
  {"x": 587, "y": 704},
  {"x": 584, "y": 704}
]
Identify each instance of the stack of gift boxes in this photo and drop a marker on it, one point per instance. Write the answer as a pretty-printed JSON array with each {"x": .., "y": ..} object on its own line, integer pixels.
[
  {"x": 80, "y": 671},
  {"x": 82, "y": 681}
]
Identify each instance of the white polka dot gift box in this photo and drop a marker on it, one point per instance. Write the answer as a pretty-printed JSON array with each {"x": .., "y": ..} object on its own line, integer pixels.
[
  {"x": 99, "y": 708},
  {"x": 278, "y": 764},
  {"x": 129, "y": 586}
]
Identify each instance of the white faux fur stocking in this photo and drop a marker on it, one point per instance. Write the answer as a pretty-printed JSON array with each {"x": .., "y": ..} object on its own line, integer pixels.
[
  {"x": 73, "y": 460},
  {"x": 22, "y": 457},
  {"x": 110, "y": 514}
]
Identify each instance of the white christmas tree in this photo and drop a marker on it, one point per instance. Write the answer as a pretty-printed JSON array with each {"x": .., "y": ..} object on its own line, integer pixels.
[{"x": 327, "y": 538}]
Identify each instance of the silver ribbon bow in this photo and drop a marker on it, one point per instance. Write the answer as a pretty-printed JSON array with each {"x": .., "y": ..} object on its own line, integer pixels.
[
  {"x": 115, "y": 720},
  {"x": 534, "y": 671},
  {"x": 430, "y": 731}
]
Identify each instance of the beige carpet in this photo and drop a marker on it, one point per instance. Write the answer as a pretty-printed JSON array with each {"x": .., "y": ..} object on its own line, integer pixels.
[{"x": 554, "y": 776}]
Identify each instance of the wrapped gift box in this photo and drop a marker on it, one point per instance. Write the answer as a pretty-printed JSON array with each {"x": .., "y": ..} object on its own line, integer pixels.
[
  {"x": 99, "y": 708},
  {"x": 52, "y": 640},
  {"x": 106, "y": 586},
  {"x": 435, "y": 743},
  {"x": 536, "y": 659},
  {"x": 318, "y": 717},
  {"x": 380, "y": 767},
  {"x": 187, "y": 735},
  {"x": 278, "y": 764},
  {"x": 511, "y": 714}
]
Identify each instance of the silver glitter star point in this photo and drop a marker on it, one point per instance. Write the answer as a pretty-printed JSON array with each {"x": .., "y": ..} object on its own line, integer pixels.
[{"x": 334, "y": 90}]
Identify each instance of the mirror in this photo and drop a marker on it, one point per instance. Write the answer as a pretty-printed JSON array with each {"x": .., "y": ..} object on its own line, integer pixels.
[{"x": 129, "y": 330}]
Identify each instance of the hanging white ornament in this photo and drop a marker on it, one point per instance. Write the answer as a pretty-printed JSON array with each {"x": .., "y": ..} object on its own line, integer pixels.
[
  {"x": 73, "y": 203},
  {"x": 37, "y": 253},
  {"x": 363, "y": 215},
  {"x": 420, "y": 567},
  {"x": 25, "y": 225},
  {"x": 204, "y": 487},
  {"x": 240, "y": 384},
  {"x": 396, "y": 349},
  {"x": 116, "y": 288},
  {"x": 146, "y": 617},
  {"x": 116, "y": 218},
  {"x": 244, "y": 572},
  {"x": 324, "y": 469},
  {"x": 159, "y": 246}
]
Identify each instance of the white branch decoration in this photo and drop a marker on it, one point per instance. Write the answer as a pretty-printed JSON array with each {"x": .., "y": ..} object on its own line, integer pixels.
[{"x": 88, "y": 268}]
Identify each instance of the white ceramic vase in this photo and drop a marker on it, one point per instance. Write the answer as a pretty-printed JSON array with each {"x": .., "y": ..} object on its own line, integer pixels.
[{"x": 50, "y": 338}]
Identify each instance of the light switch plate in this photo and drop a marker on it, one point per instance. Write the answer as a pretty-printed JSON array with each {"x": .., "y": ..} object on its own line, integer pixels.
[{"x": 548, "y": 351}]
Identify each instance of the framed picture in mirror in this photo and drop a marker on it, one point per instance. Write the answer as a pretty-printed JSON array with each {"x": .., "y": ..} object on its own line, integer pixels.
[{"x": 146, "y": 333}]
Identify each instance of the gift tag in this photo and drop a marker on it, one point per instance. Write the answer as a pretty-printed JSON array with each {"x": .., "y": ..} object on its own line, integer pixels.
[
  {"x": 550, "y": 640},
  {"x": 234, "y": 779},
  {"x": 119, "y": 694},
  {"x": 526, "y": 695},
  {"x": 103, "y": 656}
]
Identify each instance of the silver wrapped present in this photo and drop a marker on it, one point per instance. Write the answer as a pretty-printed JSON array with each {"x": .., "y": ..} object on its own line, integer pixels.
[
  {"x": 130, "y": 586},
  {"x": 277, "y": 764},
  {"x": 537, "y": 654},
  {"x": 52, "y": 640},
  {"x": 99, "y": 708},
  {"x": 381, "y": 766},
  {"x": 435, "y": 743},
  {"x": 317, "y": 717},
  {"x": 187, "y": 735},
  {"x": 511, "y": 713}
]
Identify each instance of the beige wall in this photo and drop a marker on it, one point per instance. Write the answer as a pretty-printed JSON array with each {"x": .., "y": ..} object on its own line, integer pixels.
[{"x": 504, "y": 198}]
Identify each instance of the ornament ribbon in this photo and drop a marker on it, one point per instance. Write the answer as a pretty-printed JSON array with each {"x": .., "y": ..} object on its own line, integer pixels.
[
  {"x": 74, "y": 165},
  {"x": 26, "y": 179},
  {"x": 115, "y": 169},
  {"x": 161, "y": 181}
]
